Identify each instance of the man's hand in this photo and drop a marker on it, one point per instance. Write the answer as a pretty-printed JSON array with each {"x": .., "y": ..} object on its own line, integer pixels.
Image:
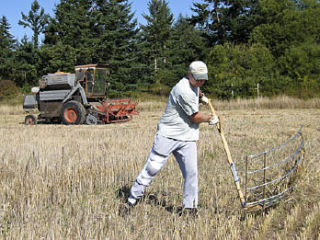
[
  {"x": 204, "y": 99},
  {"x": 214, "y": 120}
]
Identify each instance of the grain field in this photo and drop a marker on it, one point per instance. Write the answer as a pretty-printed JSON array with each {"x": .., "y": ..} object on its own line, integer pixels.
[{"x": 67, "y": 182}]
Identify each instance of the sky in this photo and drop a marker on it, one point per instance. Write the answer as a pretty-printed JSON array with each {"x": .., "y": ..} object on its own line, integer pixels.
[{"x": 12, "y": 9}]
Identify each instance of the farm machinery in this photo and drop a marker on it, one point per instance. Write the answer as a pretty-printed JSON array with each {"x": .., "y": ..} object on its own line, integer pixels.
[{"x": 76, "y": 98}]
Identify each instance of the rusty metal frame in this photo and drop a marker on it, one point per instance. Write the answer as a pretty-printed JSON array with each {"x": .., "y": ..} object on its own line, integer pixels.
[
  {"x": 260, "y": 190},
  {"x": 114, "y": 111}
]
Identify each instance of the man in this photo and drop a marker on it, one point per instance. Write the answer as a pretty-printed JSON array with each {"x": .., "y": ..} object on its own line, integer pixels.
[{"x": 177, "y": 133}]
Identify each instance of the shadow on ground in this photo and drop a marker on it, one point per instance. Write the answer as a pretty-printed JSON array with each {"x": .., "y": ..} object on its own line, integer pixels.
[{"x": 156, "y": 199}]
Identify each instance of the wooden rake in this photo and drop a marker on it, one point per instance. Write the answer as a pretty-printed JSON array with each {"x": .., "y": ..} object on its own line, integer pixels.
[{"x": 232, "y": 166}]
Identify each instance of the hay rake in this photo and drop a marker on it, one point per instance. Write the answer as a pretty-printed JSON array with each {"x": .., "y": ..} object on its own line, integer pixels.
[
  {"x": 264, "y": 189},
  {"x": 266, "y": 186}
]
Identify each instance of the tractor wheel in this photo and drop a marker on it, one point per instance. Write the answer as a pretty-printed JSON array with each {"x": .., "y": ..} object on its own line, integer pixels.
[
  {"x": 30, "y": 120},
  {"x": 91, "y": 120},
  {"x": 73, "y": 113}
]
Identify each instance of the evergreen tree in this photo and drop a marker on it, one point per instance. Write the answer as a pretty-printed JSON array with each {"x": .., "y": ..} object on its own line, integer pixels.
[
  {"x": 186, "y": 45},
  {"x": 116, "y": 31},
  {"x": 36, "y": 21},
  {"x": 101, "y": 31},
  {"x": 71, "y": 28},
  {"x": 155, "y": 35},
  {"x": 226, "y": 21},
  {"x": 25, "y": 71},
  {"x": 7, "y": 46},
  {"x": 58, "y": 57}
]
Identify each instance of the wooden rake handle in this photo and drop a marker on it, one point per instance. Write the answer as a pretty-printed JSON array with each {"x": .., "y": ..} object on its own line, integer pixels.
[{"x": 230, "y": 161}]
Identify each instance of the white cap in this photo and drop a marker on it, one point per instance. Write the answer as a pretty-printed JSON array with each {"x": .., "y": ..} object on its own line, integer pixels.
[
  {"x": 199, "y": 70},
  {"x": 35, "y": 89}
]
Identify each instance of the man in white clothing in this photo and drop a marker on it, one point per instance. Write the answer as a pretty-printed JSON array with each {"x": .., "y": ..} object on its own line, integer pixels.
[{"x": 177, "y": 133}]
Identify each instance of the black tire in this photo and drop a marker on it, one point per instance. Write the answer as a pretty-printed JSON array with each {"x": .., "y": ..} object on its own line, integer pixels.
[
  {"x": 30, "y": 120},
  {"x": 91, "y": 120},
  {"x": 73, "y": 113}
]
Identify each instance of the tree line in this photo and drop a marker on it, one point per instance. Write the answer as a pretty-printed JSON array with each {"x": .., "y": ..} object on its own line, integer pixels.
[{"x": 265, "y": 47}]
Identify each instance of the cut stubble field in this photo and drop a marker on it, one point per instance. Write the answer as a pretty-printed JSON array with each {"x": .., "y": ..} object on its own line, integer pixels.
[{"x": 67, "y": 182}]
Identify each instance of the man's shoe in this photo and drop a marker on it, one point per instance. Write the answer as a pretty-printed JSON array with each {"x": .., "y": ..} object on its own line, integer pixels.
[
  {"x": 125, "y": 209},
  {"x": 193, "y": 212}
]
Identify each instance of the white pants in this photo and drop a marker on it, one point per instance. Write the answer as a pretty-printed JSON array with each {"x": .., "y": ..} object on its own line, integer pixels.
[{"x": 186, "y": 156}]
